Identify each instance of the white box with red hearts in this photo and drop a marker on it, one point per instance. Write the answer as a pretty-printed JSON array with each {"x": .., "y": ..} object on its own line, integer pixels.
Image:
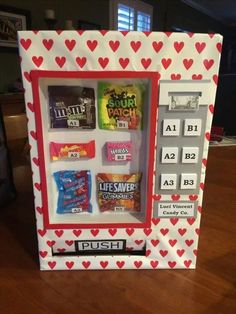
[{"x": 74, "y": 56}]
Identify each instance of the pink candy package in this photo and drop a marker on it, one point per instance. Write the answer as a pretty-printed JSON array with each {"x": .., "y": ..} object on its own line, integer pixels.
[{"x": 119, "y": 151}]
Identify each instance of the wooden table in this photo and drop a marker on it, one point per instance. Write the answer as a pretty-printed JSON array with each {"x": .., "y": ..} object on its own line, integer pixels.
[{"x": 210, "y": 289}]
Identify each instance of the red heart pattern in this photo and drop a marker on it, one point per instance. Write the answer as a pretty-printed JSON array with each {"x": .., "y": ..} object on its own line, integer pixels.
[
  {"x": 81, "y": 61},
  {"x": 114, "y": 45},
  {"x": 25, "y": 43},
  {"x": 48, "y": 43},
  {"x": 180, "y": 242},
  {"x": 70, "y": 44}
]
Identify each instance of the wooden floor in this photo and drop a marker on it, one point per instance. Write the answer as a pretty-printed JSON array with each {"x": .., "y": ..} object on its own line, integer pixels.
[{"x": 210, "y": 289}]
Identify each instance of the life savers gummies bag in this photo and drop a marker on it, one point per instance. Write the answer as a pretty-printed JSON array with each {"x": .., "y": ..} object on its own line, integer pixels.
[
  {"x": 120, "y": 106},
  {"x": 119, "y": 192}
]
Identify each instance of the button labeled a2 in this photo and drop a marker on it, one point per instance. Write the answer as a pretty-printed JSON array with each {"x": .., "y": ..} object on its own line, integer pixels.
[
  {"x": 168, "y": 181},
  {"x": 169, "y": 155},
  {"x": 171, "y": 127}
]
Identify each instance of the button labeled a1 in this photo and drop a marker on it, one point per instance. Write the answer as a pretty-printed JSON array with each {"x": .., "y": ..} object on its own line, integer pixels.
[
  {"x": 171, "y": 127},
  {"x": 168, "y": 181},
  {"x": 169, "y": 155},
  {"x": 192, "y": 127}
]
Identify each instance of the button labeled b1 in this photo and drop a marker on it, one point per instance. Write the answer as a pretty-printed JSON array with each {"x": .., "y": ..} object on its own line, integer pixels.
[{"x": 192, "y": 127}]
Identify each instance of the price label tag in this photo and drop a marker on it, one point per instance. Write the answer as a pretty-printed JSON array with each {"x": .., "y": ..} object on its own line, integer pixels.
[
  {"x": 73, "y": 123},
  {"x": 75, "y": 155},
  {"x": 76, "y": 210},
  {"x": 119, "y": 208},
  {"x": 122, "y": 124}
]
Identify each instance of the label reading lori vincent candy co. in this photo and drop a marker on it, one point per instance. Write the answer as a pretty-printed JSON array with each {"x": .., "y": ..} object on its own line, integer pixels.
[{"x": 120, "y": 106}]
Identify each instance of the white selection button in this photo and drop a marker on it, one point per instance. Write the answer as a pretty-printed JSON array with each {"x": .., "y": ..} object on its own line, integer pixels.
[
  {"x": 188, "y": 181},
  {"x": 169, "y": 155},
  {"x": 168, "y": 181},
  {"x": 171, "y": 127},
  {"x": 192, "y": 127},
  {"x": 190, "y": 155}
]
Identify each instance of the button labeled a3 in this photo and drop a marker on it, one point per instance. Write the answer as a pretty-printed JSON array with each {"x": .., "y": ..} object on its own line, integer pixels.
[
  {"x": 169, "y": 155},
  {"x": 168, "y": 181}
]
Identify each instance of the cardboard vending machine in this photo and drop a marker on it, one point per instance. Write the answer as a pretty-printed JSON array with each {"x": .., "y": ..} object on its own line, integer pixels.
[{"x": 119, "y": 128}]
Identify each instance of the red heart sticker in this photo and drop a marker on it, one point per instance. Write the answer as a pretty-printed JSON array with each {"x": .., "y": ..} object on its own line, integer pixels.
[
  {"x": 130, "y": 231},
  {"x": 104, "y": 264},
  {"x": 208, "y": 63},
  {"x": 175, "y": 77},
  {"x": 154, "y": 264},
  {"x": 178, "y": 46},
  {"x": 77, "y": 233},
  {"x": 157, "y": 45},
  {"x": 156, "y": 197},
  {"x": 69, "y": 242},
  {"x": 172, "y": 242},
  {"x": 48, "y": 43},
  {"x": 70, "y": 44},
  {"x": 112, "y": 231},
  {"x": 155, "y": 221},
  {"x": 197, "y": 76},
  {"x": 60, "y": 61},
  {"x": 182, "y": 231},
  {"x": 189, "y": 242},
  {"x": 59, "y": 233},
  {"x": 92, "y": 44},
  {"x": 52, "y": 264},
  {"x": 135, "y": 45},
  {"x": 146, "y": 62},
  {"x": 138, "y": 264},
  {"x": 25, "y": 43},
  {"x": 114, "y": 45},
  {"x": 120, "y": 264},
  {"x": 166, "y": 63},
  {"x": 69, "y": 265},
  {"x": 155, "y": 242},
  {"x": 81, "y": 61},
  {"x": 187, "y": 63},
  {"x": 43, "y": 254},
  {"x": 30, "y": 106},
  {"x": 124, "y": 62},
  {"x": 187, "y": 263},
  {"x": 94, "y": 232},
  {"x": 163, "y": 253},
  {"x": 180, "y": 252},
  {"x": 164, "y": 231},
  {"x": 103, "y": 62},
  {"x": 36, "y": 161},
  {"x": 200, "y": 46},
  {"x": 86, "y": 264},
  {"x": 147, "y": 231},
  {"x": 172, "y": 264},
  {"x": 37, "y": 60}
]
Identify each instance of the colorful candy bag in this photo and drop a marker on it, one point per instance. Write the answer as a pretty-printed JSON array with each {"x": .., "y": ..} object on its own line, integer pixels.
[
  {"x": 74, "y": 189},
  {"x": 120, "y": 106},
  {"x": 119, "y": 192},
  {"x": 72, "y": 107},
  {"x": 119, "y": 151},
  {"x": 62, "y": 151}
]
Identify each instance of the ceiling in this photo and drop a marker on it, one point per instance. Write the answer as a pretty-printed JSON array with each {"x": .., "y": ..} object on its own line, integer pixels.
[{"x": 221, "y": 10}]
